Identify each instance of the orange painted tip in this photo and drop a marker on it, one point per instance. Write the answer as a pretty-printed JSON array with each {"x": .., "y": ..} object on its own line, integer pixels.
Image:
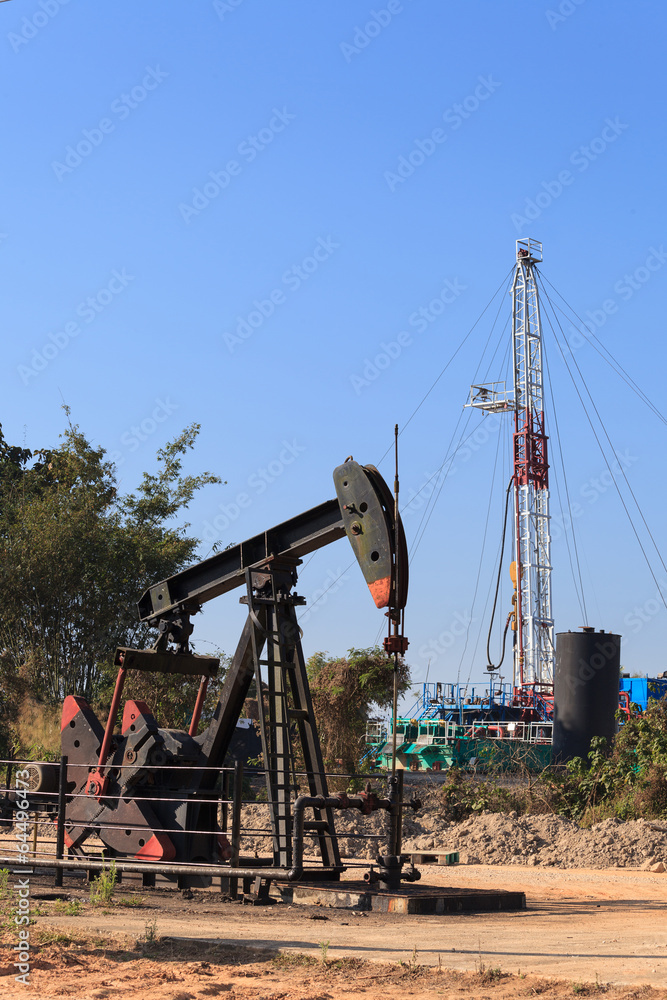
[
  {"x": 381, "y": 591},
  {"x": 132, "y": 711},
  {"x": 68, "y": 840},
  {"x": 71, "y": 707},
  {"x": 158, "y": 848}
]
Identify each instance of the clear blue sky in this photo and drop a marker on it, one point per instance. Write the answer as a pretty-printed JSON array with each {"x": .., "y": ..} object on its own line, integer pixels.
[{"x": 259, "y": 197}]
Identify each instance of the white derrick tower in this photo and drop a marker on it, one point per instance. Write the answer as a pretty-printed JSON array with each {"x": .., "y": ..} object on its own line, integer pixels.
[
  {"x": 534, "y": 652},
  {"x": 531, "y": 572}
]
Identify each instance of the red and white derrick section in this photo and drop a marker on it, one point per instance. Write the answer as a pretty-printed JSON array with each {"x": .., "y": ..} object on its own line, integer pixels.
[{"x": 534, "y": 648}]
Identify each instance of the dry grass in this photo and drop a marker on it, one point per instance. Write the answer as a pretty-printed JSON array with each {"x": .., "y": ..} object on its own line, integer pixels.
[{"x": 38, "y": 725}]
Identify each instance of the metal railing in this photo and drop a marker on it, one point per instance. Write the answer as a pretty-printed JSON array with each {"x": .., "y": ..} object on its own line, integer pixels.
[
  {"x": 24, "y": 810},
  {"x": 438, "y": 697}
]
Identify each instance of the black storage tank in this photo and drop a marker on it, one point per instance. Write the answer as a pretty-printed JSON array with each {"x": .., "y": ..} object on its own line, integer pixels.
[{"x": 586, "y": 685}]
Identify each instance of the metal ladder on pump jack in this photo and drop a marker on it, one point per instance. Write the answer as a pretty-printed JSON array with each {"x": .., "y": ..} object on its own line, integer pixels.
[{"x": 272, "y": 606}]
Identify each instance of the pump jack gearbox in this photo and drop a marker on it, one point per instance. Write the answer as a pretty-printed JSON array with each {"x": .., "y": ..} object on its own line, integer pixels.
[{"x": 148, "y": 793}]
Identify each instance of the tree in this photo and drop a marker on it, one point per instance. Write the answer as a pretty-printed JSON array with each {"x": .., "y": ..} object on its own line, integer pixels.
[
  {"x": 75, "y": 555},
  {"x": 344, "y": 691},
  {"x": 628, "y": 780}
]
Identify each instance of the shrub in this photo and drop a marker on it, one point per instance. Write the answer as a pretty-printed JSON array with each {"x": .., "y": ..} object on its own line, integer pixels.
[
  {"x": 102, "y": 888},
  {"x": 461, "y": 796}
]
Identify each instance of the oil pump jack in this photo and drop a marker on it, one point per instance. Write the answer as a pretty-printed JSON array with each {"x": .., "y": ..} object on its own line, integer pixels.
[{"x": 148, "y": 793}]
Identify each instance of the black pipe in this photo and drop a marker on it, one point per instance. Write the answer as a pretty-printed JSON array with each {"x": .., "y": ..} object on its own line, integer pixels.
[
  {"x": 88, "y": 864},
  {"x": 391, "y": 864},
  {"x": 236, "y": 824},
  {"x": 365, "y": 804},
  {"x": 60, "y": 834},
  {"x": 395, "y": 782},
  {"x": 224, "y": 800},
  {"x": 302, "y": 802}
]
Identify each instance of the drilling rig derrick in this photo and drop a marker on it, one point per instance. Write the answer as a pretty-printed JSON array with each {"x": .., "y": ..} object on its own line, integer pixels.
[{"x": 531, "y": 569}]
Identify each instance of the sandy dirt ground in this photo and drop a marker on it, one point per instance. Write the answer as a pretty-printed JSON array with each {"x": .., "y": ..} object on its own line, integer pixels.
[
  {"x": 595, "y": 922},
  {"x": 607, "y": 929}
]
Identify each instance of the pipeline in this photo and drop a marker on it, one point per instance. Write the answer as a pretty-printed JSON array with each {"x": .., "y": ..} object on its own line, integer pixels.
[
  {"x": 155, "y": 868},
  {"x": 367, "y": 802}
]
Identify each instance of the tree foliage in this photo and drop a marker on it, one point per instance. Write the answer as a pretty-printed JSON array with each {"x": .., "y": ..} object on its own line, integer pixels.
[
  {"x": 625, "y": 781},
  {"x": 345, "y": 691},
  {"x": 628, "y": 780},
  {"x": 75, "y": 555}
]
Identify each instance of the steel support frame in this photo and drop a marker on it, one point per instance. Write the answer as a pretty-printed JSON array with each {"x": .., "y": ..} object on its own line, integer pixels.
[
  {"x": 276, "y": 632},
  {"x": 534, "y": 651}
]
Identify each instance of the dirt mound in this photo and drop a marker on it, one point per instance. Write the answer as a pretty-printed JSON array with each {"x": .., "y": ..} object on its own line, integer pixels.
[
  {"x": 494, "y": 838},
  {"x": 491, "y": 838}
]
